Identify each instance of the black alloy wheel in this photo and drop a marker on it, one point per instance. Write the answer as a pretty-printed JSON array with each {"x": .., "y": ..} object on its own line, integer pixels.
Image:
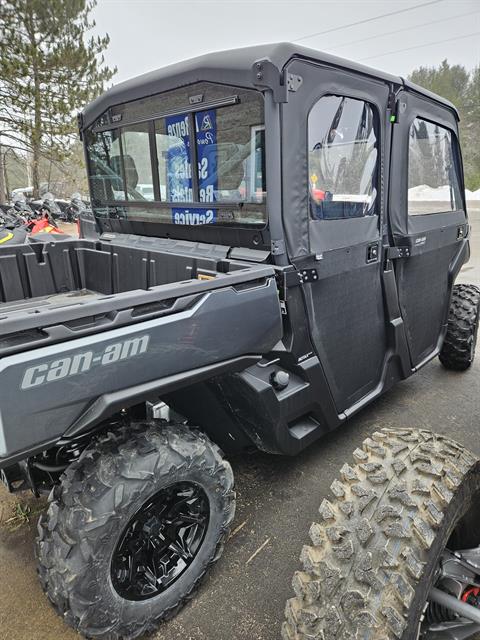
[{"x": 160, "y": 541}]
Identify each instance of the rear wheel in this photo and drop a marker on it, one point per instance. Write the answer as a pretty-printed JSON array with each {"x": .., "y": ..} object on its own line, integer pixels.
[
  {"x": 458, "y": 349},
  {"x": 133, "y": 528},
  {"x": 394, "y": 535}
]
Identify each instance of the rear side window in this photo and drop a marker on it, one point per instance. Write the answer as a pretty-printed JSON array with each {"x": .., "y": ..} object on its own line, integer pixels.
[
  {"x": 342, "y": 158},
  {"x": 433, "y": 182}
]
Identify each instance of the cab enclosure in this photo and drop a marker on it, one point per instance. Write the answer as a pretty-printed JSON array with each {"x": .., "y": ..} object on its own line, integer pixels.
[
  {"x": 277, "y": 194},
  {"x": 315, "y": 165}
]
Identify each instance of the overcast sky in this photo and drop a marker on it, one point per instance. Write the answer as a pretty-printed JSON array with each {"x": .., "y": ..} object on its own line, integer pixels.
[{"x": 148, "y": 34}]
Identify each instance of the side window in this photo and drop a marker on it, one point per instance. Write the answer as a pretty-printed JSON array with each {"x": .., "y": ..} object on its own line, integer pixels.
[
  {"x": 342, "y": 158},
  {"x": 433, "y": 183}
]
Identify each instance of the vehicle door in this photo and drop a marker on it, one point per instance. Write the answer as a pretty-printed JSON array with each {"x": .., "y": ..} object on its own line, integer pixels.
[
  {"x": 428, "y": 217},
  {"x": 335, "y": 142}
]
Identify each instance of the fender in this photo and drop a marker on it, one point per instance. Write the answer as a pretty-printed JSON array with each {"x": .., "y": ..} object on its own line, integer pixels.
[{"x": 110, "y": 403}]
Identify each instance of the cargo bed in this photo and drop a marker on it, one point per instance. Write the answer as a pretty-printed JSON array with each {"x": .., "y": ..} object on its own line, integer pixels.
[
  {"x": 54, "y": 291},
  {"x": 88, "y": 327}
]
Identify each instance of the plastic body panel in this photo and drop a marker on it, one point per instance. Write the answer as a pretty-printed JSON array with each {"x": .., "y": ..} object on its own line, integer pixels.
[{"x": 45, "y": 390}]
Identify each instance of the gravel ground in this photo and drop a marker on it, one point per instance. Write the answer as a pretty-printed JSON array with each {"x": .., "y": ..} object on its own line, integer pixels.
[{"x": 277, "y": 499}]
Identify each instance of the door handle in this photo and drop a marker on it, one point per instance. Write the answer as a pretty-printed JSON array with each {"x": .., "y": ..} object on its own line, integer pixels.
[
  {"x": 462, "y": 232},
  {"x": 373, "y": 252}
]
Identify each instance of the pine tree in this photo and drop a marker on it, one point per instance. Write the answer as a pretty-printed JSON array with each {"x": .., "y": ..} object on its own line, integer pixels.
[
  {"x": 471, "y": 132},
  {"x": 49, "y": 69},
  {"x": 451, "y": 82}
]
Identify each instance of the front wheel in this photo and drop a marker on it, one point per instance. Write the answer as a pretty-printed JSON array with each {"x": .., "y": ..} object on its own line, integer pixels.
[
  {"x": 396, "y": 555},
  {"x": 133, "y": 527},
  {"x": 458, "y": 351}
]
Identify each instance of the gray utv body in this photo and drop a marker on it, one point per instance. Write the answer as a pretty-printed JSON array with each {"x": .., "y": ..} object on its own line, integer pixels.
[{"x": 268, "y": 334}]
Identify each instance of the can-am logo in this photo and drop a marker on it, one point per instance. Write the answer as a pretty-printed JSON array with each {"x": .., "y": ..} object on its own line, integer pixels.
[{"x": 82, "y": 362}]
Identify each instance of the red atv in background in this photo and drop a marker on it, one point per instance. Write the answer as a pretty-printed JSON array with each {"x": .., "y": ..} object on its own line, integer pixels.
[
  {"x": 20, "y": 222},
  {"x": 45, "y": 224},
  {"x": 43, "y": 220}
]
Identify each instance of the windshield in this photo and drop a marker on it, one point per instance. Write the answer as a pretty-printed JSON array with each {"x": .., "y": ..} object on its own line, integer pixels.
[{"x": 165, "y": 168}]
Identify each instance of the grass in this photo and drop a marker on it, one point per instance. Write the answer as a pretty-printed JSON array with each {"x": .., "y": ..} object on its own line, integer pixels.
[{"x": 22, "y": 515}]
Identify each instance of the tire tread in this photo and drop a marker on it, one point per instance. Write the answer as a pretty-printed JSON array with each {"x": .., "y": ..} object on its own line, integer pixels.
[
  {"x": 63, "y": 548},
  {"x": 457, "y": 353},
  {"x": 370, "y": 558}
]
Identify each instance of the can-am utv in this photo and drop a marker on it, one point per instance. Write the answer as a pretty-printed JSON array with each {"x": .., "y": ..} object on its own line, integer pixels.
[{"x": 260, "y": 266}]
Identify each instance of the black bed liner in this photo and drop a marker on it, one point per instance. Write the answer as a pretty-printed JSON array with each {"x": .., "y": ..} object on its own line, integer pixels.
[{"x": 57, "y": 291}]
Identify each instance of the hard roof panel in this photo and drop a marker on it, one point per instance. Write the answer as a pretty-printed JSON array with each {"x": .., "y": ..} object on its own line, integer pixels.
[{"x": 230, "y": 67}]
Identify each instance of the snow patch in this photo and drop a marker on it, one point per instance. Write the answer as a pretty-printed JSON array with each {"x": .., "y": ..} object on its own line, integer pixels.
[{"x": 440, "y": 194}]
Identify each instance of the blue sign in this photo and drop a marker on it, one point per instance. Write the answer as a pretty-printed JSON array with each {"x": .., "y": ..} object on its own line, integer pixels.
[{"x": 179, "y": 170}]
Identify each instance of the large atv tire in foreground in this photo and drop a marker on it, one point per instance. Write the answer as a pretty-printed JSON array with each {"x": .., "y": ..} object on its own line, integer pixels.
[
  {"x": 133, "y": 527},
  {"x": 387, "y": 546},
  {"x": 458, "y": 349}
]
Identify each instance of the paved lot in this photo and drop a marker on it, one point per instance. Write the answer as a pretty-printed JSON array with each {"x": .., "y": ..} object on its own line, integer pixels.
[{"x": 277, "y": 499}]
